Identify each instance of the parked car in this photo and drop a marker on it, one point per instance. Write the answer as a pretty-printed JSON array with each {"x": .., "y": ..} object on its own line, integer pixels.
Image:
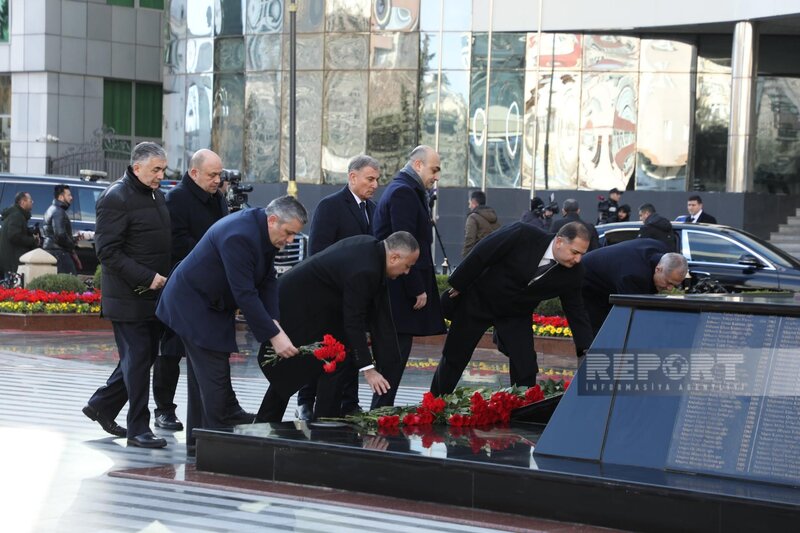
[
  {"x": 81, "y": 212},
  {"x": 736, "y": 259}
]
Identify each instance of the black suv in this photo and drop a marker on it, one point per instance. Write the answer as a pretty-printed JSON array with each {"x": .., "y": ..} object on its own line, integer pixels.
[{"x": 81, "y": 212}]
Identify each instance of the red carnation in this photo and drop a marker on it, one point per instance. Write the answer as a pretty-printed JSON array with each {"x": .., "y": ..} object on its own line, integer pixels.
[{"x": 329, "y": 367}]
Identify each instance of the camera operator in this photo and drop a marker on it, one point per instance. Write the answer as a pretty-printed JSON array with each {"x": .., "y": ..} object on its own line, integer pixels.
[
  {"x": 233, "y": 190},
  {"x": 607, "y": 209},
  {"x": 540, "y": 215}
]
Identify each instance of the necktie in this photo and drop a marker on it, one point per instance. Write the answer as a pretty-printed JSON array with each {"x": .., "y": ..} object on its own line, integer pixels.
[
  {"x": 542, "y": 270},
  {"x": 363, "y": 206}
]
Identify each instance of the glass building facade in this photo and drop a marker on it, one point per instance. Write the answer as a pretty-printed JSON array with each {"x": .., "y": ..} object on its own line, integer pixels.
[{"x": 564, "y": 111}]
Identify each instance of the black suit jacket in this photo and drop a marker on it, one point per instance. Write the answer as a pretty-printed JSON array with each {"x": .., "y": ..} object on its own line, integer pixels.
[
  {"x": 500, "y": 268},
  {"x": 625, "y": 268},
  {"x": 337, "y": 217},
  {"x": 333, "y": 293},
  {"x": 704, "y": 218},
  {"x": 192, "y": 211}
]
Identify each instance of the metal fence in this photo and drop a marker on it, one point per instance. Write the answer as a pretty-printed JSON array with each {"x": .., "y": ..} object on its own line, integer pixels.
[{"x": 113, "y": 163}]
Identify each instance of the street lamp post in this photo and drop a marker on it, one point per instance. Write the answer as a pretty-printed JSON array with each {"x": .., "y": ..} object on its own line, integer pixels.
[{"x": 291, "y": 189}]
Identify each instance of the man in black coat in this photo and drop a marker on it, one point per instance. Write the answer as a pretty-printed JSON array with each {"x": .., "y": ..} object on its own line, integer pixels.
[
  {"x": 697, "y": 214},
  {"x": 330, "y": 293},
  {"x": 571, "y": 211},
  {"x": 133, "y": 244},
  {"x": 656, "y": 227},
  {"x": 638, "y": 266},
  {"x": 500, "y": 284},
  {"x": 15, "y": 236},
  {"x": 343, "y": 214},
  {"x": 404, "y": 207},
  {"x": 57, "y": 231},
  {"x": 195, "y": 204}
]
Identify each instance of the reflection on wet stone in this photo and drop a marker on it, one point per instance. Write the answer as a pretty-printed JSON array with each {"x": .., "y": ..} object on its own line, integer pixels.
[{"x": 349, "y": 51}]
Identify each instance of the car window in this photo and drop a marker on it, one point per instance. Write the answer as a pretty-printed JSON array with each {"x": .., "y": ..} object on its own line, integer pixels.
[
  {"x": 87, "y": 198},
  {"x": 710, "y": 248},
  {"x": 621, "y": 235},
  {"x": 42, "y": 196}
]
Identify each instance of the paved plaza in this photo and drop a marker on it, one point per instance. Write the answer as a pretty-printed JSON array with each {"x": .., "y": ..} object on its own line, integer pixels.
[{"x": 63, "y": 473}]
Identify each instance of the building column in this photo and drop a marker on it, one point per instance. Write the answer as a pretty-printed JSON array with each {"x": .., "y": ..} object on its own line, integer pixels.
[{"x": 742, "y": 126}]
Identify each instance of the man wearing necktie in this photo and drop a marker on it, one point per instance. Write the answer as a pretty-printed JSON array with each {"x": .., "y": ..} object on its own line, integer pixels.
[
  {"x": 499, "y": 284},
  {"x": 343, "y": 214}
]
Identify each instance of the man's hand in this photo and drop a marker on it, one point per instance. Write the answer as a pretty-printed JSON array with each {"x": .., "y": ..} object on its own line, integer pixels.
[
  {"x": 375, "y": 442},
  {"x": 376, "y": 381},
  {"x": 282, "y": 344},
  {"x": 158, "y": 282},
  {"x": 422, "y": 299},
  {"x": 452, "y": 293}
]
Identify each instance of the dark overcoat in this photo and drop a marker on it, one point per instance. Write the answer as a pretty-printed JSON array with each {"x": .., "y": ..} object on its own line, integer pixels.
[
  {"x": 624, "y": 268},
  {"x": 15, "y": 238},
  {"x": 132, "y": 238},
  {"x": 500, "y": 269},
  {"x": 230, "y": 268},
  {"x": 192, "y": 211},
  {"x": 404, "y": 207},
  {"x": 337, "y": 217}
]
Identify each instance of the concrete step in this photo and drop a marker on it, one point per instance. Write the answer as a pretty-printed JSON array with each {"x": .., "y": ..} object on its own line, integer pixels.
[
  {"x": 785, "y": 229},
  {"x": 776, "y": 238},
  {"x": 793, "y": 221},
  {"x": 793, "y": 249}
]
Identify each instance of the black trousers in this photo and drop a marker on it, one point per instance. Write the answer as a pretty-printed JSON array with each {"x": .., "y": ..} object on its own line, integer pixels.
[
  {"x": 349, "y": 402},
  {"x": 393, "y": 372},
  {"x": 468, "y": 325},
  {"x": 209, "y": 380},
  {"x": 137, "y": 343}
]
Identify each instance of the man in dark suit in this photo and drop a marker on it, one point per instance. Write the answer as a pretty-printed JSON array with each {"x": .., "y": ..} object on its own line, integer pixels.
[
  {"x": 404, "y": 207},
  {"x": 696, "y": 213},
  {"x": 638, "y": 266},
  {"x": 500, "y": 284},
  {"x": 133, "y": 245},
  {"x": 572, "y": 213},
  {"x": 230, "y": 268},
  {"x": 331, "y": 293},
  {"x": 195, "y": 204},
  {"x": 656, "y": 227},
  {"x": 343, "y": 214}
]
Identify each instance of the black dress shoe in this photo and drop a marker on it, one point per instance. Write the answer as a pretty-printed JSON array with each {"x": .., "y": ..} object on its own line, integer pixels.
[
  {"x": 351, "y": 410},
  {"x": 304, "y": 412},
  {"x": 168, "y": 421},
  {"x": 147, "y": 440},
  {"x": 240, "y": 418},
  {"x": 108, "y": 425}
]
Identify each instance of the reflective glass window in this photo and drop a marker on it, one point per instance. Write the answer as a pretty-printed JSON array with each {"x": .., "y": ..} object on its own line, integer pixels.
[
  {"x": 610, "y": 53},
  {"x": 229, "y": 17},
  {"x": 266, "y": 16},
  {"x": 344, "y": 133},
  {"x": 708, "y": 248},
  {"x": 392, "y": 119},
  {"x": 559, "y": 51},
  {"x": 310, "y": 17},
  {"x": 262, "y": 126},
  {"x": 229, "y": 54},
  {"x": 508, "y": 50},
  {"x": 309, "y": 52},
  {"x": 712, "y": 109},
  {"x": 394, "y": 50},
  {"x": 309, "y": 127},
  {"x": 199, "y": 98},
  {"x": 199, "y": 55},
  {"x": 228, "y": 123},
  {"x": 453, "y": 120},
  {"x": 87, "y": 198},
  {"x": 346, "y": 51},
  {"x": 347, "y": 15},
  {"x": 777, "y": 153},
  {"x": 200, "y": 18},
  {"x": 264, "y": 51},
  {"x": 395, "y": 16}
]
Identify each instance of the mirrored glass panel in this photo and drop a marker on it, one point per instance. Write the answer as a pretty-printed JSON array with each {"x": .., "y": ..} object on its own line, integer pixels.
[
  {"x": 664, "y": 125},
  {"x": 344, "y": 133},
  {"x": 712, "y": 110},
  {"x": 430, "y": 15},
  {"x": 199, "y": 55},
  {"x": 310, "y": 48},
  {"x": 347, "y": 15},
  {"x": 608, "y": 131},
  {"x": 229, "y": 54},
  {"x": 200, "y": 18},
  {"x": 346, "y": 51},
  {"x": 309, "y": 127},
  {"x": 610, "y": 53},
  {"x": 199, "y": 106},
  {"x": 229, "y": 17},
  {"x": 427, "y": 111},
  {"x": 228, "y": 121},
  {"x": 395, "y": 15},
  {"x": 458, "y": 15},
  {"x": 265, "y": 16},
  {"x": 661, "y": 55},
  {"x": 456, "y": 48},
  {"x": 554, "y": 162},
  {"x": 392, "y": 120},
  {"x": 503, "y": 134},
  {"x": 310, "y": 17},
  {"x": 508, "y": 50},
  {"x": 262, "y": 127},
  {"x": 394, "y": 50},
  {"x": 176, "y": 22},
  {"x": 175, "y": 56},
  {"x": 777, "y": 157},
  {"x": 264, "y": 51},
  {"x": 174, "y": 110},
  {"x": 559, "y": 51},
  {"x": 453, "y": 119}
]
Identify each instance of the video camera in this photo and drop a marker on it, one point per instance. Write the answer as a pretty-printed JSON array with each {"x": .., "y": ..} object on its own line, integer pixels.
[{"x": 237, "y": 193}]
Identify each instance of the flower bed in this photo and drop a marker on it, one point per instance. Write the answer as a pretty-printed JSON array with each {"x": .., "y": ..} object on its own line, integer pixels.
[
  {"x": 36, "y": 310},
  {"x": 551, "y": 326}
]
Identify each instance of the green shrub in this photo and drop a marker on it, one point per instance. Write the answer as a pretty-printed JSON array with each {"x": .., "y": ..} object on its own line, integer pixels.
[
  {"x": 57, "y": 283},
  {"x": 550, "y": 307},
  {"x": 98, "y": 278},
  {"x": 441, "y": 283}
]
